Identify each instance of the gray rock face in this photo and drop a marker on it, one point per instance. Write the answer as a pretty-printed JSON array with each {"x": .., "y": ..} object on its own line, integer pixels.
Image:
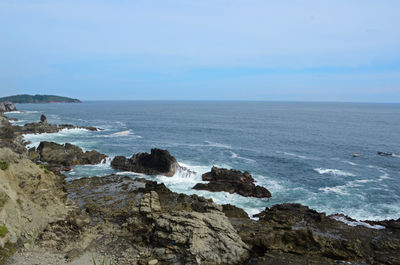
[
  {"x": 7, "y": 106},
  {"x": 158, "y": 162},
  {"x": 200, "y": 238}
]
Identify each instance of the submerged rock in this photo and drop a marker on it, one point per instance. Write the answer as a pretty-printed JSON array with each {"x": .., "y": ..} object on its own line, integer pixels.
[
  {"x": 65, "y": 155},
  {"x": 158, "y": 162},
  {"x": 232, "y": 181}
]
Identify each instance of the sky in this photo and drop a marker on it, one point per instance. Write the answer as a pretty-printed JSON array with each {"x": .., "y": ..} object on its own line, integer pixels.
[{"x": 287, "y": 50}]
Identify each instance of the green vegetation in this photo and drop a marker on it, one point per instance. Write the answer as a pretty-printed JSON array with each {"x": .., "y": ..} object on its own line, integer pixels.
[
  {"x": 3, "y": 165},
  {"x": 103, "y": 262},
  {"x": 6, "y": 252},
  {"x": 44, "y": 169},
  {"x": 38, "y": 99},
  {"x": 3, "y": 231}
]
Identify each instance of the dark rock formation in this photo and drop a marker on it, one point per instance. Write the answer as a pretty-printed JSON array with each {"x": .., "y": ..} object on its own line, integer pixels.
[
  {"x": 158, "y": 162},
  {"x": 295, "y": 234},
  {"x": 7, "y": 106},
  {"x": 384, "y": 154},
  {"x": 43, "y": 118},
  {"x": 43, "y": 127},
  {"x": 234, "y": 212},
  {"x": 65, "y": 155},
  {"x": 232, "y": 181}
]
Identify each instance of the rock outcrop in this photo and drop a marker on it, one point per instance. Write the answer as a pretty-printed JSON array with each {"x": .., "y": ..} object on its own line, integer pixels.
[
  {"x": 8, "y": 137},
  {"x": 65, "y": 155},
  {"x": 199, "y": 237},
  {"x": 45, "y": 127},
  {"x": 7, "y": 106},
  {"x": 170, "y": 227},
  {"x": 158, "y": 162},
  {"x": 295, "y": 234},
  {"x": 232, "y": 181}
]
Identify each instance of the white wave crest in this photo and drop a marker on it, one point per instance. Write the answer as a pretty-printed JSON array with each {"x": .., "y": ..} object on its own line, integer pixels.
[
  {"x": 59, "y": 137},
  {"x": 356, "y": 223},
  {"x": 295, "y": 155},
  {"x": 13, "y": 112},
  {"x": 236, "y": 156},
  {"x": 218, "y": 145},
  {"x": 334, "y": 172}
]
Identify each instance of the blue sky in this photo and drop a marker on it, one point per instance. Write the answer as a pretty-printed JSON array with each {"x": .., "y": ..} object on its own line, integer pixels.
[{"x": 212, "y": 50}]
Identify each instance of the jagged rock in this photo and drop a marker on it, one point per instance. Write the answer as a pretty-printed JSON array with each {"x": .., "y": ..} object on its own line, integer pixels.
[
  {"x": 295, "y": 234},
  {"x": 232, "y": 211},
  {"x": 67, "y": 155},
  {"x": 150, "y": 203},
  {"x": 200, "y": 238},
  {"x": 7, "y": 106},
  {"x": 158, "y": 162},
  {"x": 232, "y": 181},
  {"x": 43, "y": 118}
]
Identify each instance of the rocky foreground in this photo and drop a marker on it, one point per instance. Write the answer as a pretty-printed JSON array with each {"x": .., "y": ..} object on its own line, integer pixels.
[{"x": 45, "y": 220}]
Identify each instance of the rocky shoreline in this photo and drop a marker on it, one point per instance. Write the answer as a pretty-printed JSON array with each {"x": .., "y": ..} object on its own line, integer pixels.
[{"x": 137, "y": 221}]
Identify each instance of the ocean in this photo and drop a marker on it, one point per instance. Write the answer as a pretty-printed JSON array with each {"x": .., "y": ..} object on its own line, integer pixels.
[{"x": 301, "y": 152}]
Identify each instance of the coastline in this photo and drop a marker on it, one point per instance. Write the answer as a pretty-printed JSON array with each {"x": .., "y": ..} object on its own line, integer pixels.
[{"x": 284, "y": 233}]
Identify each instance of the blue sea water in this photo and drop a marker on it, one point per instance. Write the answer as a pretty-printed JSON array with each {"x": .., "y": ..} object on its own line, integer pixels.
[{"x": 301, "y": 152}]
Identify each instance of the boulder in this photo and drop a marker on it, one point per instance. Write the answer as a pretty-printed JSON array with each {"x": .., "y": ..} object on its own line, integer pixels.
[
  {"x": 66, "y": 155},
  {"x": 43, "y": 118},
  {"x": 7, "y": 106},
  {"x": 158, "y": 162},
  {"x": 232, "y": 181}
]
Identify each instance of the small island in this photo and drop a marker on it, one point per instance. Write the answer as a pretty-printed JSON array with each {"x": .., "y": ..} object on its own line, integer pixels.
[{"x": 39, "y": 99}]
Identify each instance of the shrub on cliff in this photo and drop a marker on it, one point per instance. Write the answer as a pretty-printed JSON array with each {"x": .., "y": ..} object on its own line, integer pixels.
[{"x": 3, "y": 165}]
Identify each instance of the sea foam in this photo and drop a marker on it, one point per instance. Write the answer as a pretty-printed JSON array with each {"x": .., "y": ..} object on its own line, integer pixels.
[{"x": 334, "y": 172}]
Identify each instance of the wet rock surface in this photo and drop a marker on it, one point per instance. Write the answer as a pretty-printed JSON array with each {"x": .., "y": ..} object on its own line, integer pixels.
[
  {"x": 232, "y": 181},
  {"x": 158, "y": 162},
  {"x": 290, "y": 233}
]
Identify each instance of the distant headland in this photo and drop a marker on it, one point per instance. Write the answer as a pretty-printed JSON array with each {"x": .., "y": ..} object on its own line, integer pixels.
[{"x": 39, "y": 99}]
